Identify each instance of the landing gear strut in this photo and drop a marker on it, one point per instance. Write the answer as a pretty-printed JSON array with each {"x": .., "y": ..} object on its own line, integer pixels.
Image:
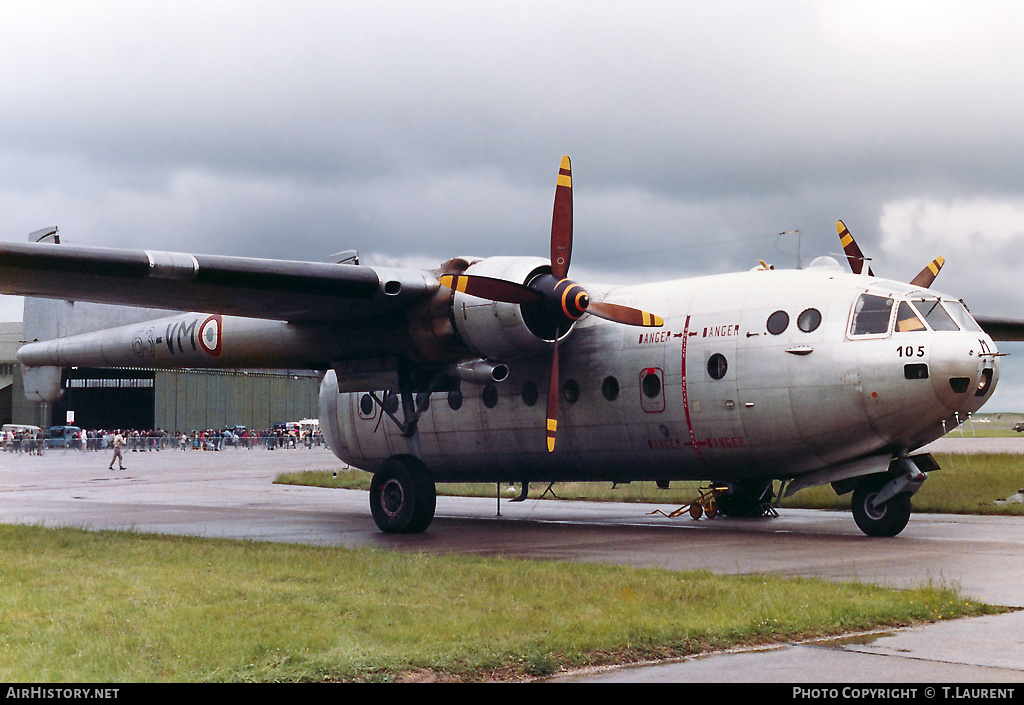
[{"x": 748, "y": 499}]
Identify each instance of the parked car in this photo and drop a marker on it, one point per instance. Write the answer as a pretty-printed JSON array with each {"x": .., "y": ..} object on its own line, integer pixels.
[
  {"x": 64, "y": 437},
  {"x": 1018, "y": 427}
]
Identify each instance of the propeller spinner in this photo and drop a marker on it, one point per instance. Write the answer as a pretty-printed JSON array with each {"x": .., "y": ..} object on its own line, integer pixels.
[{"x": 554, "y": 295}]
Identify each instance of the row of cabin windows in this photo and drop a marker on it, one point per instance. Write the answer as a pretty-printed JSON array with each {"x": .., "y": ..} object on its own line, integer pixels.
[
  {"x": 808, "y": 321},
  {"x": 530, "y": 393},
  {"x": 650, "y": 384}
]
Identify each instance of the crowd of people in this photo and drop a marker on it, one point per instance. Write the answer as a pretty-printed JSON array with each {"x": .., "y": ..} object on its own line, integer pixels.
[{"x": 36, "y": 441}]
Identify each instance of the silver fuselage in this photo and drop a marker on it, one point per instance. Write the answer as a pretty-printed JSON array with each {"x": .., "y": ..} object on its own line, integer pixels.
[{"x": 718, "y": 393}]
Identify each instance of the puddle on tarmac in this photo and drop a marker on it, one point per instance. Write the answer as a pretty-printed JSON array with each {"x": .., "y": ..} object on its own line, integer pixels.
[{"x": 852, "y": 640}]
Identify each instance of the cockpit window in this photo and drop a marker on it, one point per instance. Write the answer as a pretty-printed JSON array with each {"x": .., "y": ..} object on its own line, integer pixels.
[
  {"x": 906, "y": 320},
  {"x": 935, "y": 315},
  {"x": 871, "y": 315},
  {"x": 962, "y": 317}
]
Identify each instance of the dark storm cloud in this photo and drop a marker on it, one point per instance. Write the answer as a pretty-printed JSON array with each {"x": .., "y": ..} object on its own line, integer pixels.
[{"x": 417, "y": 131}]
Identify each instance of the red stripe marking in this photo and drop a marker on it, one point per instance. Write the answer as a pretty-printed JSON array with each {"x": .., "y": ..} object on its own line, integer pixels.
[{"x": 686, "y": 400}]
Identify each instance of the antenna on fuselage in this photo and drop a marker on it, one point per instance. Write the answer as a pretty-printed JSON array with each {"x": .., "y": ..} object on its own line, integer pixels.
[{"x": 799, "y": 246}]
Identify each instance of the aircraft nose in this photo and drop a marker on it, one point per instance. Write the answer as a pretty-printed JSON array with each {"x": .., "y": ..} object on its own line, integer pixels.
[{"x": 963, "y": 370}]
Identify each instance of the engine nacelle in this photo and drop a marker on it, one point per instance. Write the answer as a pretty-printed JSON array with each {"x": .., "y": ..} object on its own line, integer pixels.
[{"x": 497, "y": 330}]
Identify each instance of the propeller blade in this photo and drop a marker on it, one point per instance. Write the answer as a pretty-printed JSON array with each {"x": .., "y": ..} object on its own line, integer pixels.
[
  {"x": 853, "y": 253},
  {"x": 490, "y": 288},
  {"x": 552, "y": 408},
  {"x": 928, "y": 274},
  {"x": 561, "y": 222},
  {"x": 625, "y": 314}
]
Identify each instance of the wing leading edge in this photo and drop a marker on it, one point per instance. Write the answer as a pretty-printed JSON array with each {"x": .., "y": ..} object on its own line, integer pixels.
[
  {"x": 240, "y": 286},
  {"x": 1002, "y": 329}
]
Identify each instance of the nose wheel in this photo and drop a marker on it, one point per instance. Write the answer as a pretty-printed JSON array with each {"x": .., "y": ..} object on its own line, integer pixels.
[{"x": 875, "y": 518}]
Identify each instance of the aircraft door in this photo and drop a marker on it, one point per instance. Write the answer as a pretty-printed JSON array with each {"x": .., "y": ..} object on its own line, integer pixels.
[
  {"x": 709, "y": 386},
  {"x": 652, "y": 389}
]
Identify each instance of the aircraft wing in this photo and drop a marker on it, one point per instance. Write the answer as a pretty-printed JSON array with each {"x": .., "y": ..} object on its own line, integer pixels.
[
  {"x": 240, "y": 286},
  {"x": 1002, "y": 329}
]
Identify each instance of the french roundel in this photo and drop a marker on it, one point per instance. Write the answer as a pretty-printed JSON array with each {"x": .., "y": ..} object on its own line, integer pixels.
[{"x": 209, "y": 335}]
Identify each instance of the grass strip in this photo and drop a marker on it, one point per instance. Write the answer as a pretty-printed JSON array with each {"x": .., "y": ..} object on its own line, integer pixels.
[
  {"x": 81, "y": 606},
  {"x": 966, "y": 484}
]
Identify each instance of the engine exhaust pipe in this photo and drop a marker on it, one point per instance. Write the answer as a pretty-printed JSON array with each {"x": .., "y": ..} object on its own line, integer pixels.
[{"x": 479, "y": 371}]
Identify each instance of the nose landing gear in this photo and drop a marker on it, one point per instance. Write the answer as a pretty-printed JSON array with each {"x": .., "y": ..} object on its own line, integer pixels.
[{"x": 877, "y": 511}]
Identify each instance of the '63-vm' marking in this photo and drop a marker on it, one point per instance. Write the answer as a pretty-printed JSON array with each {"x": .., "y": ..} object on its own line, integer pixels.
[{"x": 198, "y": 332}]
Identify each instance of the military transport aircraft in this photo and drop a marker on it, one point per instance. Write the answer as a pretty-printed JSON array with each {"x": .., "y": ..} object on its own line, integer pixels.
[{"x": 504, "y": 370}]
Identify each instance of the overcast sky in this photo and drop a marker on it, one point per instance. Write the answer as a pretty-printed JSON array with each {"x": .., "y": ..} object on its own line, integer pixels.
[{"x": 415, "y": 131}]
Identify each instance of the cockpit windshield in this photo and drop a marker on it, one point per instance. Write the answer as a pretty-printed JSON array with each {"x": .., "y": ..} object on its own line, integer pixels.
[
  {"x": 962, "y": 317},
  {"x": 935, "y": 315},
  {"x": 907, "y": 319},
  {"x": 872, "y": 315}
]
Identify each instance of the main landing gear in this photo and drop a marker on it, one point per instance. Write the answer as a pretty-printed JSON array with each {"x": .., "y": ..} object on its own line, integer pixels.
[
  {"x": 743, "y": 499},
  {"x": 402, "y": 496},
  {"x": 402, "y": 492},
  {"x": 751, "y": 498}
]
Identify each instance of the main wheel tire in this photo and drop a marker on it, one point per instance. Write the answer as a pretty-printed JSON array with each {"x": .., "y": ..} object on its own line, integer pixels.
[
  {"x": 402, "y": 497},
  {"x": 888, "y": 519}
]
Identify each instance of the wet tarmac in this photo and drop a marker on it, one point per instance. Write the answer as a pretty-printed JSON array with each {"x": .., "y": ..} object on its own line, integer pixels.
[{"x": 230, "y": 494}]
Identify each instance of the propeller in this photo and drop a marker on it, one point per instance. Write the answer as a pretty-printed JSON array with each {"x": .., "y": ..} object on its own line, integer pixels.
[
  {"x": 853, "y": 253},
  {"x": 553, "y": 297},
  {"x": 856, "y": 258},
  {"x": 927, "y": 275}
]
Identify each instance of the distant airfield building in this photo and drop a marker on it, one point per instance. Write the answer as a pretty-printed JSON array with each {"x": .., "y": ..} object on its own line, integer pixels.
[{"x": 172, "y": 400}]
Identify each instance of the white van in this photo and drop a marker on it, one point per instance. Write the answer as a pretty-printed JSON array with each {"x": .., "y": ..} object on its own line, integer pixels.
[{"x": 20, "y": 428}]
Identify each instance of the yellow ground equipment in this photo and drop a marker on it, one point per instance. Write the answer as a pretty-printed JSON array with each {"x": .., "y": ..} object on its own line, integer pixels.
[{"x": 703, "y": 505}]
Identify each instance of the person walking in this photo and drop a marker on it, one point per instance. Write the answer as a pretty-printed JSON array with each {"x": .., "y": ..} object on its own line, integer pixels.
[{"x": 118, "y": 444}]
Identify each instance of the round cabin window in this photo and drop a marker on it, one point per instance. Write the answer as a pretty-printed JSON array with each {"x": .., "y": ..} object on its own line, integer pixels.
[
  {"x": 366, "y": 405},
  {"x": 530, "y": 394},
  {"x": 455, "y": 399},
  {"x": 651, "y": 385},
  {"x": 571, "y": 390},
  {"x": 809, "y": 320},
  {"x": 717, "y": 366},
  {"x": 610, "y": 388},
  {"x": 490, "y": 396},
  {"x": 778, "y": 322}
]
